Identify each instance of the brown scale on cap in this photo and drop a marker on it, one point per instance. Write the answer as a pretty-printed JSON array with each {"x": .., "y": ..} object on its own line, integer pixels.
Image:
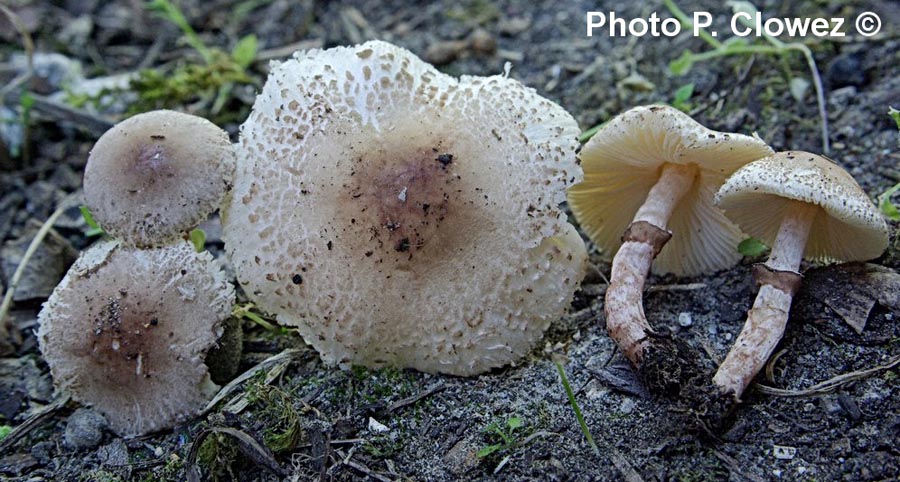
[
  {"x": 123, "y": 339},
  {"x": 402, "y": 205},
  {"x": 128, "y": 330}
]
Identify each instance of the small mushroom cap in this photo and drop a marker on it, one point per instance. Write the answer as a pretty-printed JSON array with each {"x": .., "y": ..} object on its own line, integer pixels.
[
  {"x": 849, "y": 226},
  {"x": 400, "y": 216},
  {"x": 127, "y": 331},
  {"x": 623, "y": 161},
  {"x": 156, "y": 175}
]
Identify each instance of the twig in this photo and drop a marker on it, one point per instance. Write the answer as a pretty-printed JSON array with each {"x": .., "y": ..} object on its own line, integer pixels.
[
  {"x": 248, "y": 445},
  {"x": 831, "y": 384},
  {"x": 93, "y": 124},
  {"x": 346, "y": 460},
  {"x": 413, "y": 399},
  {"x": 676, "y": 287},
  {"x": 286, "y": 354},
  {"x": 32, "y": 423},
  {"x": 20, "y": 270},
  {"x": 735, "y": 467},
  {"x": 17, "y": 23},
  {"x": 624, "y": 466}
]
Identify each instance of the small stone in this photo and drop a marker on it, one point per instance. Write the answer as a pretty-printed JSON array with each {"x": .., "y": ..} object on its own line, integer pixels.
[
  {"x": 481, "y": 41},
  {"x": 627, "y": 406},
  {"x": 115, "y": 453},
  {"x": 782, "y": 452},
  {"x": 461, "y": 458},
  {"x": 444, "y": 52},
  {"x": 513, "y": 26},
  {"x": 84, "y": 430},
  {"x": 685, "y": 319},
  {"x": 844, "y": 70},
  {"x": 42, "y": 451},
  {"x": 377, "y": 427}
]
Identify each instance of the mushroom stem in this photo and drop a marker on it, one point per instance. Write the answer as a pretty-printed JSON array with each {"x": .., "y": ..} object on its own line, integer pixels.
[
  {"x": 625, "y": 320},
  {"x": 767, "y": 319}
]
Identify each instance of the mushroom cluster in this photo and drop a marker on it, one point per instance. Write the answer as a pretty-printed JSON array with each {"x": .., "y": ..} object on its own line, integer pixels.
[
  {"x": 400, "y": 216},
  {"x": 129, "y": 327},
  {"x": 649, "y": 170}
]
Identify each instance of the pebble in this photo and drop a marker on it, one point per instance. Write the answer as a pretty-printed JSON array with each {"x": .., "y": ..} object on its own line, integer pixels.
[
  {"x": 782, "y": 452},
  {"x": 84, "y": 429},
  {"x": 444, "y": 52},
  {"x": 844, "y": 70},
  {"x": 509, "y": 27},
  {"x": 685, "y": 319},
  {"x": 627, "y": 406},
  {"x": 114, "y": 453},
  {"x": 377, "y": 427},
  {"x": 42, "y": 451}
]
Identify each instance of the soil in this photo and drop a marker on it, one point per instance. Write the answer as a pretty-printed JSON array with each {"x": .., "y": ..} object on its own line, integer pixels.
[{"x": 304, "y": 421}]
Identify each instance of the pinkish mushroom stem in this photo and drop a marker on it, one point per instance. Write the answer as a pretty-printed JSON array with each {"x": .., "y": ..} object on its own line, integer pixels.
[
  {"x": 643, "y": 239},
  {"x": 767, "y": 319}
]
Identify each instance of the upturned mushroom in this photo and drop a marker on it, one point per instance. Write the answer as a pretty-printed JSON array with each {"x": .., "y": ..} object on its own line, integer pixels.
[
  {"x": 399, "y": 216},
  {"x": 802, "y": 205},
  {"x": 650, "y": 170},
  {"x": 154, "y": 176},
  {"x": 127, "y": 331}
]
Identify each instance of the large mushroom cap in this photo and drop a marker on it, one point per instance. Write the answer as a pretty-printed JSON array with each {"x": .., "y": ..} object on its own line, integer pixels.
[
  {"x": 156, "y": 175},
  {"x": 621, "y": 164},
  {"x": 127, "y": 331},
  {"x": 399, "y": 216},
  {"x": 849, "y": 226}
]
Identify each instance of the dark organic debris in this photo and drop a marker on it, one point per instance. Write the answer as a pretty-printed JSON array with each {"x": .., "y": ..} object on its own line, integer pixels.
[
  {"x": 258, "y": 453},
  {"x": 852, "y": 289}
]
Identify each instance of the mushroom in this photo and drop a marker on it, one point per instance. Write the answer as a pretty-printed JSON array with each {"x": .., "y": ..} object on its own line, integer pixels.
[
  {"x": 154, "y": 176},
  {"x": 127, "y": 330},
  {"x": 400, "y": 216},
  {"x": 802, "y": 205},
  {"x": 650, "y": 169}
]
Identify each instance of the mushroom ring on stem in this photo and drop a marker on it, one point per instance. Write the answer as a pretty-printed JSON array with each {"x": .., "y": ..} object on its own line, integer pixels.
[
  {"x": 651, "y": 174},
  {"x": 802, "y": 205},
  {"x": 400, "y": 216}
]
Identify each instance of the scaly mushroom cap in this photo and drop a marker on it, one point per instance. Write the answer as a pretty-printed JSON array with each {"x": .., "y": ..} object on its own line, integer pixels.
[
  {"x": 127, "y": 331},
  {"x": 399, "y": 216},
  {"x": 849, "y": 226},
  {"x": 621, "y": 164},
  {"x": 156, "y": 175}
]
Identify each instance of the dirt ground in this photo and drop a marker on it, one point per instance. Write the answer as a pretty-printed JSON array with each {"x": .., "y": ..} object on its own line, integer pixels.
[{"x": 318, "y": 420}]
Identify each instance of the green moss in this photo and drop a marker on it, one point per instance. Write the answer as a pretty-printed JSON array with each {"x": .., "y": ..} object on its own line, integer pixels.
[
  {"x": 275, "y": 406},
  {"x": 217, "y": 454}
]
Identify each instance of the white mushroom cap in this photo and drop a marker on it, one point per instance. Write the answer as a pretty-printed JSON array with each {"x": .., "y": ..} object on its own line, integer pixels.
[
  {"x": 399, "y": 216},
  {"x": 849, "y": 226},
  {"x": 127, "y": 331},
  {"x": 621, "y": 164},
  {"x": 154, "y": 176}
]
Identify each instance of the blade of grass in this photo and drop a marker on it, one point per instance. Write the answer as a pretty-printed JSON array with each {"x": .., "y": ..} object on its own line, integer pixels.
[{"x": 575, "y": 408}]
